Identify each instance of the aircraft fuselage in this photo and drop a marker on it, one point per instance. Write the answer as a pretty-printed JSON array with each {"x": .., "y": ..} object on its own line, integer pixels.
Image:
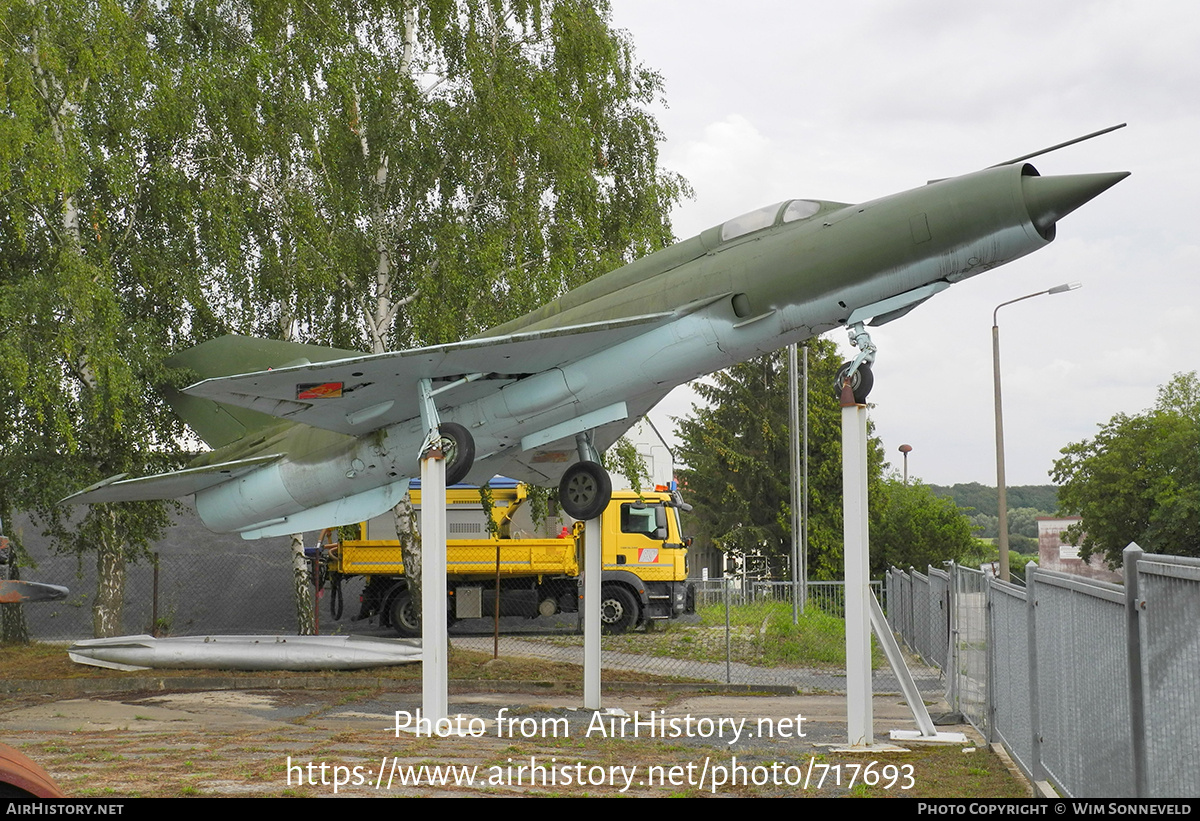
[
  {"x": 752, "y": 285},
  {"x": 770, "y": 287}
]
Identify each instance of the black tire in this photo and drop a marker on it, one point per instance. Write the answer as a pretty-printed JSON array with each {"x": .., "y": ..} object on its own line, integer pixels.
[
  {"x": 585, "y": 490},
  {"x": 406, "y": 615},
  {"x": 336, "y": 603},
  {"x": 618, "y": 609},
  {"x": 459, "y": 447},
  {"x": 861, "y": 383}
]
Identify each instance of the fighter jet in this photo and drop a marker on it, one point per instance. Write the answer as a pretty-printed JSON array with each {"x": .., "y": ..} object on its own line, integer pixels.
[{"x": 306, "y": 437}]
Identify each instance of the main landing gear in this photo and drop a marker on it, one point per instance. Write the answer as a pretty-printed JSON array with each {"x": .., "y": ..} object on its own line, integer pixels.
[
  {"x": 585, "y": 489},
  {"x": 452, "y": 439},
  {"x": 858, "y": 371},
  {"x": 458, "y": 446}
]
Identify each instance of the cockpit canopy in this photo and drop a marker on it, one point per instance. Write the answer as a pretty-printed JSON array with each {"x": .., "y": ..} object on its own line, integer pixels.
[{"x": 776, "y": 214}]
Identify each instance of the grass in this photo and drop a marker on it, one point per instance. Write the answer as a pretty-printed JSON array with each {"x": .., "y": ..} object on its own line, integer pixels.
[{"x": 760, "y": 634}]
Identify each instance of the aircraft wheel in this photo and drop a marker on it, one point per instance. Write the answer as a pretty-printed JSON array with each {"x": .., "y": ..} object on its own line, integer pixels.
[
  {"x": 585, "y": 490},
  {"x": 406, "y": 615},
  {"x": 459, "y": 447},
  {"x": 618, "y": 609},
  {"x": 861, "y": 383}
]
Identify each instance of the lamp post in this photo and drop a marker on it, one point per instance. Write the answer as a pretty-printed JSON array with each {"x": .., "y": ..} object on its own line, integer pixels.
[
  {"x": 1001, "y": 490},
  {"x": 906, "y": 449}
]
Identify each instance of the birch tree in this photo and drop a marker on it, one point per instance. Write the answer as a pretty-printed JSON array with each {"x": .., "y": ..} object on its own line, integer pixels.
[
  {"x": 90, "y": 204},
  {"x": 364, "y": 173},
  {"x": 436, "y": 168}
]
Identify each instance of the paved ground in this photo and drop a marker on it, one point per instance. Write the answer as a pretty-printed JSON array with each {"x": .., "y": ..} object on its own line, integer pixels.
[
  {"x": 323, "y": 735},
  {"x": 213, "y": 741}
]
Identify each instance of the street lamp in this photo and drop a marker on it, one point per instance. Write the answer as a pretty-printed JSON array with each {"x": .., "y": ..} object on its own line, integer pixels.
[
  {"x": 906, "y": 449},
  {"x": 1001, "y": 490}
]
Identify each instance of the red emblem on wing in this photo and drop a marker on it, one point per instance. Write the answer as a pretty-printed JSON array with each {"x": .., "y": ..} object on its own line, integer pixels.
[{"x": 319, "y": 390}]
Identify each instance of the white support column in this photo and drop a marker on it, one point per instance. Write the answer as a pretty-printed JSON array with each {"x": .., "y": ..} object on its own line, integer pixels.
[
  {"x": 592, "y": 570},
  {"x": 859, "y": 718},
  {"x": 434, "y": 668}
]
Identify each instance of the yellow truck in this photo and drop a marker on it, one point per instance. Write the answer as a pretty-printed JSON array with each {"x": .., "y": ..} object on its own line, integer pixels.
[{"x": 644, "y": 561}]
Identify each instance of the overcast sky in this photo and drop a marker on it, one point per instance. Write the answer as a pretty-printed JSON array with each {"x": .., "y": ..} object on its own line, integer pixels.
[{"x": 856, "y": 100}]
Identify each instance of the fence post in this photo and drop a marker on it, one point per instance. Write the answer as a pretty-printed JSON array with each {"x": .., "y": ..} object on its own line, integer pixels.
[
  {"x": 1133, "y": 646},
  {"x": 728, "y": 674},
  {"x": 989, "y": 659},
  {"x": 952, "y": 649},
  {"x": 1035, "y": 724},
  {"x": 909, "y": 609}
]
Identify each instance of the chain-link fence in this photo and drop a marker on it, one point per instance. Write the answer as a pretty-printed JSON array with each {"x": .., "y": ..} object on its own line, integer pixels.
[
  {"x": 724, "y": 630},
  {"x": 740, "y": 633},
  {"x": 1092, "y": 686},
  {"x": 195, "y": 582}
]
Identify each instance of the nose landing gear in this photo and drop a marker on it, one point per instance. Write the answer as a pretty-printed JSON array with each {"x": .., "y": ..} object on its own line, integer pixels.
[{"x": 857, "y": 372}]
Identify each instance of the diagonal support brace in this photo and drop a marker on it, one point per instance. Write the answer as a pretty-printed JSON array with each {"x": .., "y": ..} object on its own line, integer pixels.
[{"x": 429, "y": 414}]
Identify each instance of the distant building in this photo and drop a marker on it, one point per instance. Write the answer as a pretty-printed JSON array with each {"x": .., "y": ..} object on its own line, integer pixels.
[
  {"x": 1054, "y": 554},
  {"x": 659, "y": 461}
]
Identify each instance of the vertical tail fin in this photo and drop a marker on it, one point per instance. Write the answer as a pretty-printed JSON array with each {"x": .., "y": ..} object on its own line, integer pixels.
[{"x": 219, "y": 424}]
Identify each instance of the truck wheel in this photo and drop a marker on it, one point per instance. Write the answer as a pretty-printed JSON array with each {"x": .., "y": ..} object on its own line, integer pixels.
[
  {"x": 585, "y": 490},
  {"x": 618, "y": 609},
  {"x": 406, "y": 616}
]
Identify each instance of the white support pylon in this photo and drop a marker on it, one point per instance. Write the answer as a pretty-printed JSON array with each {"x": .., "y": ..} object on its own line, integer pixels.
[
  {"x": 435, "y": 642},
  {"x": 856, "y": 553},
  {"x": 592, "y": 570}
]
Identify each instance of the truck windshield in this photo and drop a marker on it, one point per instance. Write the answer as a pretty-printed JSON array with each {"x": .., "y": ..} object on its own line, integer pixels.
[{"x": 639, "y": 518}]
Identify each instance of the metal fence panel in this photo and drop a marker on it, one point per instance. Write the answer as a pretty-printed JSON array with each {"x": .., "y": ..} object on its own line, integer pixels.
[
  {"x": 920, "y": 592},
  {"x": 969, "y": 653},
  {"x": 1082, "y": 685},
  {"x": 1008, "y": 647},
  {"x": 1170, "y": 588},
  {"x": 939, "y": 611},
  {"x": 1063, "y": 707}
]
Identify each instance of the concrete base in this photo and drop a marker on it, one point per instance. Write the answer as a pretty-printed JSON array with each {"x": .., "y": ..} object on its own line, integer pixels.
[{"x": 937, "y": 738}]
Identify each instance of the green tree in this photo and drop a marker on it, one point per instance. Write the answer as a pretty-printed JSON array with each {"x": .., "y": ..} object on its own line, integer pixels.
[
  {"x": 365, "y": 173},
  {"x": 737, "y": 461},
  {"x": 94, "y": 254},
  {"x": 1022, "y": 521},
  {"x": 429, "y": 170},
  {"x": 912, "y": 527},
  {"x": 1138, "y": 479}
]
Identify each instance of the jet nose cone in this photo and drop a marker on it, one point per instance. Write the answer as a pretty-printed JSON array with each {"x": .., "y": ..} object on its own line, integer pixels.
[{"x": 1049, "y": 199}]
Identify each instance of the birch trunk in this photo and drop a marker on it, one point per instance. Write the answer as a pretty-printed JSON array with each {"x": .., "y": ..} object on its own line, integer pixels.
[
  {"x": 306, "y": 615},
  {"x": 108, "y": 610},
  {"x": 305, "y": 605},
  {"x": 110, "y": 550},
  {"x": 380, "y": 316}
]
